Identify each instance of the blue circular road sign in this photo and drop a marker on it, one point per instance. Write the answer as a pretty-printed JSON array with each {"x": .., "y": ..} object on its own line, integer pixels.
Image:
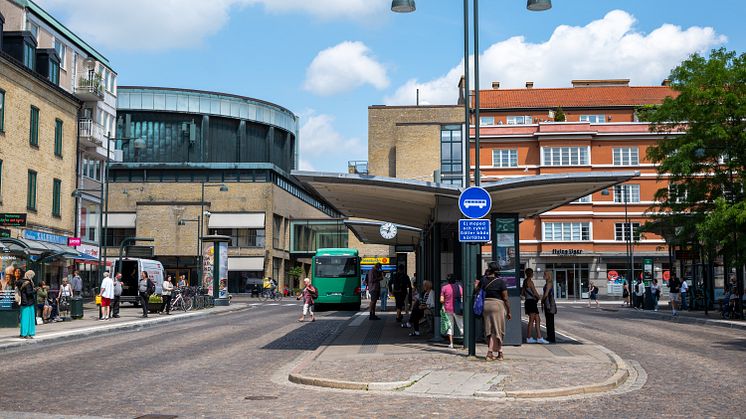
[{"x": 475, "y": 202}]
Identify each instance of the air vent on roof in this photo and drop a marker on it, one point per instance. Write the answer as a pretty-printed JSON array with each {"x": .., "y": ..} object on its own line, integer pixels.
[{"x": 495, "y": 85}]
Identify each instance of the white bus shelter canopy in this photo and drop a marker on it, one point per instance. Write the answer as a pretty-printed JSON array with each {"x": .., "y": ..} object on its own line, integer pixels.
[{"x": 369, "y": 232}]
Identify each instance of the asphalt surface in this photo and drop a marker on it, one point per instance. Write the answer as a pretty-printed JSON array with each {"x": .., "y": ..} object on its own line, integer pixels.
[{"x": 236, "y": 364}]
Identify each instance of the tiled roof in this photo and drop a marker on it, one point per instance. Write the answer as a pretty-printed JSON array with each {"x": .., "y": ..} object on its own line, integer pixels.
[{"x": 585, "y": 97}]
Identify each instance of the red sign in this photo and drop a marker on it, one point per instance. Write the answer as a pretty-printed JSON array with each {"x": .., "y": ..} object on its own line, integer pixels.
[
  {"x": 73, "y": 241},
  {"x": 666, "y": 275},
  {"x": 612, "y": 275}
]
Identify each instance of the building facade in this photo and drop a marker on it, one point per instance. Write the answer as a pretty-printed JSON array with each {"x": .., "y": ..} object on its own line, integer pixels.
[
  {"x": 38, "y": 155},
  {"x": 198, "y": 163}
]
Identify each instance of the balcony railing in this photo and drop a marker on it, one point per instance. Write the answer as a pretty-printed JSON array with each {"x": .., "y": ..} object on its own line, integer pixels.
[
  {"x": 90, "y": 89},
  {"x": 91, "y": 131}
]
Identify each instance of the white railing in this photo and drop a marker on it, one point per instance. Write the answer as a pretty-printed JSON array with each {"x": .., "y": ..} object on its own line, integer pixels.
[
  {"x": 90, "y": 86},
  {"x": 87, "y": 128}
]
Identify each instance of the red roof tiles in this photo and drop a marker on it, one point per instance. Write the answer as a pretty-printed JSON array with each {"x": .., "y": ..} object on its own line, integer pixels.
[{"x": 584, "y": 97}]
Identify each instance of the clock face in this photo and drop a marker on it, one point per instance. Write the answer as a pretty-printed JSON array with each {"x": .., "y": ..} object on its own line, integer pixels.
[{"x": 388, "y": 231}]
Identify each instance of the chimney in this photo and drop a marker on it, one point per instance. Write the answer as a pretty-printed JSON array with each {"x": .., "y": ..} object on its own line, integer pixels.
[
  {"x": 666, "y": 82},
  {"x": 529, "y": 85},
  {"x": 495, "y": 85}
]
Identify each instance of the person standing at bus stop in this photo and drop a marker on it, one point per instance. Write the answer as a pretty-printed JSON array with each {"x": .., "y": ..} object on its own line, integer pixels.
[
  {"x": 117, "y": 295},
  {"x": 375, "y": 276},
  {"x": 400, "y": 286}
]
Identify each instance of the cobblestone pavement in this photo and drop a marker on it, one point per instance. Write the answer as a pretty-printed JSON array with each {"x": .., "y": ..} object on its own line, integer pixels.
[{"x": 234, "y": 365}]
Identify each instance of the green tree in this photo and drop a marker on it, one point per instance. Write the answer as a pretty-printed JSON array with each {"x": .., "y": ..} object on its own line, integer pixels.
[
  {"x": 559, "y": 115},
  {"x": 702, "y": 152}
]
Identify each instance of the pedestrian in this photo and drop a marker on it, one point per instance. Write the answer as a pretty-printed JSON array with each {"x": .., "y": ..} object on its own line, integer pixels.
[
  {"x": 42, "y": 306},
  {"x": 529, "y": 292},
  {"x": 674, "y": 288},
  {"x": 182, "y": 282},
  {"x": 166, "y": 293},
  {"x": 309, "y": 296},
  {"x": 143, "y": 291},
  {"x": 684, "y": 289},
  {"x": 550, "y": 306},
  {"x": 385, "y": 292},
  {"x": 400, "y": 286},
  {"x": 374, "y": 278},
  {"x": 26, "y": 300},
  {"x": 639, "y": 293},
  {"x": 77, "y": 283},
  {"x": 64, "y": 296},
  {"x": 496, "y": 310},
  {"x": 452, "y": 298},
  {"x": 655, "y": 290},
  {"x": 107, "y": 294},
  {"x": 625, "y": 295},
  {"x": 117, "y": 295},
  {"x": 420, "y": 306},
  {"x": 592, "y": 294}
]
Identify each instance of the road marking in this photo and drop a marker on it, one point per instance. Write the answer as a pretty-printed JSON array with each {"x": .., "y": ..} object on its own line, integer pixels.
[
  {"x": 291, "y": 304},
  {"x": 358, "y": 320},
  {"x": 273, "y": 304},
  {"x": 255, "y": 304}
]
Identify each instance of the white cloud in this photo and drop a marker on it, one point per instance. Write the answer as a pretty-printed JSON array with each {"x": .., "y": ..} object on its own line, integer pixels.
[
  {"x": 165, "y": 24},
  {"x": 605, "y": 48},
  {"x": 344, "y": 67},
  {"x": 322, "y": 147}
]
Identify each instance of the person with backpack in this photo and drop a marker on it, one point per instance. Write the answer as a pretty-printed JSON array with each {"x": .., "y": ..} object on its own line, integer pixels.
[
  {"x": 592, "y": 295},
  {"x": 529, "y": 292},
  {"x": 451, "y": 296},
  {"x": 309, "y": 296},
  {"x": 145, "y": 287},
  {"x": 400, "y": 286}
]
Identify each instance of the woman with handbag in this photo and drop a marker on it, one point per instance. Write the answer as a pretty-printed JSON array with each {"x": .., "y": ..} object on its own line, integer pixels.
[
  {"x": 496, "y": 310},
  {"x": 27, "y": 302},
  {"x": 549, "y": 305}
]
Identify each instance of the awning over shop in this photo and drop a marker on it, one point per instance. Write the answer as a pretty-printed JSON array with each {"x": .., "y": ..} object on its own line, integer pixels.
[
  {"x": 369, "y": 232},
  {"x": 121, "y": 220},
  {"x": 236, "y": 220},
  {"x": 245, "y": 263},
  {"x": 417, "y": 203},
  {"x": 42, "y": 250}
]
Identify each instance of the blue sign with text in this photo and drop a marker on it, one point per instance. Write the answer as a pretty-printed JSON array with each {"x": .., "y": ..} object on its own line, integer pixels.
[
  {"x": 475, "y": 202},
  {"x": 474, "y": 231}
]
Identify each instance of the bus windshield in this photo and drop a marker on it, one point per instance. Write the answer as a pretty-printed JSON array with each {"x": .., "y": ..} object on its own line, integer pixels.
[{"x": 336, "y": 266}]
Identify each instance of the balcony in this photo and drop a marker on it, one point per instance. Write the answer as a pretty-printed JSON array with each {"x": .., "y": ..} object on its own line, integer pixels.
[
  {"x": 90, "y": 133},
  {"x": 90, "y": 89}
]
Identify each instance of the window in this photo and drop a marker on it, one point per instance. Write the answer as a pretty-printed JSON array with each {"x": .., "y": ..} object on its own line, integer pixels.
[
  {"x": 505, "y": 158},
  {"x": 630, "y": 192},
  {"x": 106, "y": 79},
  {"x": 92, "y": 168},
  {"x": 2, "y": 110},
  {"x": 627, "y": 156},
  {"x": 519, "y": 120},
  {"x": 276, "y": 266},
  {"x": 58, "y": 137},
  {"x": 593, "y": 119},
  {"x": 565, "y": 156},
  {"x": 115, "y": 236},
  {"x": 583, "y": 200},
  {"x": 621, "y": 231},
  {"x": 56, "y": 191},
  {"x": 567, "y": 232},
  {"x": 277, "y": 238},
  {"x": 54, "y": 72},
  {"x": 31, "y": 191},
  {"x": 451, "y": 155},
  {"x": 33, "y": 137},
  {"x": 61, "y": 51},
  {"x": 29, "y": 56},
  {"x": 486, "y": 120},
  {"x": 33, "y": 28},
  {"x": 242, "y": 237}
]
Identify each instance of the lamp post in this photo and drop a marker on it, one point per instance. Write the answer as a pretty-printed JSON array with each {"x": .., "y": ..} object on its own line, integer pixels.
[
  {"x": 202, "y": 216},
  {"x": 471, "y": 253}
]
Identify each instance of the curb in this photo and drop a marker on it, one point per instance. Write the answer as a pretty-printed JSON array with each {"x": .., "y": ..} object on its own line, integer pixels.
[
  {"x": 353, "y": 385},
  {"x": 97, "y": 330},
  {"x": 694, "y": 320}
]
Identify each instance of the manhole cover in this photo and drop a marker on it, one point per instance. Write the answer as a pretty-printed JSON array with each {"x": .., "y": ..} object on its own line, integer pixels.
[{"x": 260, "y": 397}]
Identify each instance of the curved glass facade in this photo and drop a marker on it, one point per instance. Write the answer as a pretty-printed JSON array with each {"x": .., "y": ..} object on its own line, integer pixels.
[{"x": 186, "y": 126}]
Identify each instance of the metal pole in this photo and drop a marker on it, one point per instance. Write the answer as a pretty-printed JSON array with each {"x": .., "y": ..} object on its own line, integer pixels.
[
  {"x": 627, "y": 230},
  {"x": 477, "y": 181},
  {"x": 466, "y": 135},
  {"x": 199, "y": 236}
]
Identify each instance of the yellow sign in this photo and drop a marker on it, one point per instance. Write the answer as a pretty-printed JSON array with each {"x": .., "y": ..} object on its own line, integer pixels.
[{"x": 373, "y": 261}]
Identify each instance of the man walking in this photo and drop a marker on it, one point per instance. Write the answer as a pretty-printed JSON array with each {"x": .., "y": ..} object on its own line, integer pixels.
[
  {"x": 674, "y": 286},
  {"x": 117, "y": 295},
  {"x": 107, "y": 294},
  {"x": 684, "y": 288},
  {"x": 375, "y": 276},
  {"x": 77, "y": 284},
  {"x": 143, "y": 289},
  {"x": 400, "y": 286}
]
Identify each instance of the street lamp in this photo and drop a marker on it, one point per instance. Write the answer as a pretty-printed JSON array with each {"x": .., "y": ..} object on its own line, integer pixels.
[{"x": 406, "y": 6}]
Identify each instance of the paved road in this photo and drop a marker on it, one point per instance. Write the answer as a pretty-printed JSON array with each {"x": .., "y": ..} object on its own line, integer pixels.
[{"x": 223, "y": 366}]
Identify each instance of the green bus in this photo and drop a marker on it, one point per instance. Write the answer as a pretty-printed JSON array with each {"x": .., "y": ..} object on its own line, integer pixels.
[{"x": 336, "y": 274}]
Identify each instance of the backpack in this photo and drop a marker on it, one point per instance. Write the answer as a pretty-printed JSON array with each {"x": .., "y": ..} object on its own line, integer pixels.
[
  {"x": 458, "y": 306},
  {"x": 314, "y": 293},
  {"x": 151, "y": 287}
]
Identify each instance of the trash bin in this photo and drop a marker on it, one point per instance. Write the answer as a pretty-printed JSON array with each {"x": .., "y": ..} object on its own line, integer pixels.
[
  {"x": 76, "y": 308},
  {"x": 649, "y": 303}
]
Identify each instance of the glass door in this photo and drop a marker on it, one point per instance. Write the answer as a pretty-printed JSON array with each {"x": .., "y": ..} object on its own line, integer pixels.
[
  {"x": 560, "y": 283},
  {"x": 571, "y": 284}
]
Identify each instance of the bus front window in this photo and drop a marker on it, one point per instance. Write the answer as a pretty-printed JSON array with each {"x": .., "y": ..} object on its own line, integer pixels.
[{"x": 336, "y": 266}]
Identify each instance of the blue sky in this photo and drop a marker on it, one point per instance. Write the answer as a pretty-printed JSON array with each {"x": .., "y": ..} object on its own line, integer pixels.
[{"x": 328, "y": 60}]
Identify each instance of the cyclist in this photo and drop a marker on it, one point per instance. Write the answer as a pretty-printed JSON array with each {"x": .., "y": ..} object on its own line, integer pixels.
[{"x": 270, "y": 286}]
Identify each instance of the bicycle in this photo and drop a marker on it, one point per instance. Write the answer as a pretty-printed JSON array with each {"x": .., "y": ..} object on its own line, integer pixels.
[
  {"x": 179, "y": 302},
  {"x": 268, "y": 295}
]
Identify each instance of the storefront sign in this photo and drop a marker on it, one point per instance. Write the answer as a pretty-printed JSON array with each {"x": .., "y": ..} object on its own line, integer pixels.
[
  {"x": 5, "y": 233},
  {"x": 88, "y": 250},
  {"x": 73, "y": 241},
  {"x": 404, "y": 248},
  {"x": 12, "y": 219},
  {"x": 373, "y": 261},
  {"x": 45, "y": 237},
  {"x": 612, "y": 275},
  {"x": 567, "y": 252}
]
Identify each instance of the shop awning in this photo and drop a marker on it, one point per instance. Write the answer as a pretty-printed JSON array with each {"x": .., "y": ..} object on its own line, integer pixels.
[
  {"x": 42, "y": 250},
  {"x": 236, "y": 220},
  {"x": 245, "y": 263},
  {"x": 369, "y": 232}
]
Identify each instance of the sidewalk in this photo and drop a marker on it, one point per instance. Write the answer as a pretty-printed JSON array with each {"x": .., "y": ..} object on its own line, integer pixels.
[
  {"x": 379, "y": 355},
  {"x": 131, "y": 318}
]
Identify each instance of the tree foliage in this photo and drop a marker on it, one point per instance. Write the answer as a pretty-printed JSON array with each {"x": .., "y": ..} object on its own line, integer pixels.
[
  {"x": 703, "y": 150},
  {"x": 559, "y": 115}
]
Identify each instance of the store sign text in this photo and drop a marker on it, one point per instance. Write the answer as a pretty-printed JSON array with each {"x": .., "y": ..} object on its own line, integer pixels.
[{"x": 567, "y": 252}]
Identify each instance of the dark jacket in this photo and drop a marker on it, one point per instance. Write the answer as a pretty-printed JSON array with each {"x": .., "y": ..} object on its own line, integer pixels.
[
  {"x": 28, "y": 295},
  {"x": 401, "y": 284}
]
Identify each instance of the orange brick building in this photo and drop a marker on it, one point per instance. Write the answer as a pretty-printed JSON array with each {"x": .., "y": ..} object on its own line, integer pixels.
[{"x": 586, "y": 240}]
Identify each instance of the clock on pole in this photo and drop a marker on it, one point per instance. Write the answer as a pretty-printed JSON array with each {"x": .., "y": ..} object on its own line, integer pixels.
[{"x": 388, "y": 231}]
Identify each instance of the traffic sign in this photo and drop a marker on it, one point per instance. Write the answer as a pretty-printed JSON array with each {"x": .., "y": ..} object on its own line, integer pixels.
[
  {"x": 474, "y": 231},
  {"x": 475, "y": 202}
]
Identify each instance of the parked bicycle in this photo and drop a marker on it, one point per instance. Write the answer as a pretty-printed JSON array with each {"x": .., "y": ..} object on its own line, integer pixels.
[{"x": 180, "y": 300}]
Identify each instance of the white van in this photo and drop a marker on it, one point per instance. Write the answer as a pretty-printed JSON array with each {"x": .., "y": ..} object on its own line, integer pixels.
[{"x": 131, "y": 270}]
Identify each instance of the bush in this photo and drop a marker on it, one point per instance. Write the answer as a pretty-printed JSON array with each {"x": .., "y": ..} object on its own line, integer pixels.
[{"x": 155, "y": 299}]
